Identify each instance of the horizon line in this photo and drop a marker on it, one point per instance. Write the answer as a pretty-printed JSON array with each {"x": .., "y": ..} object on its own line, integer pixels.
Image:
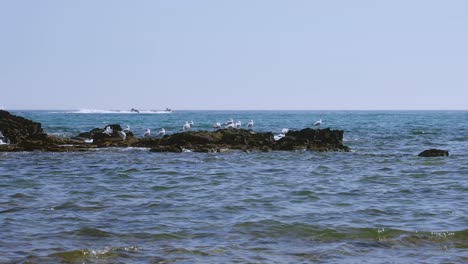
[{"x": 175, "y": 110}]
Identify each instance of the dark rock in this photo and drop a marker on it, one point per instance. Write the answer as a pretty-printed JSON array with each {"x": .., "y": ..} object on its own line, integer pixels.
[
  {"x": 312, "y": 139},
  {"x": 247, "y": 140},
  {"x": 113, "y": 139},
  {"x": 17, "y": 129},
  {"x": 26, "y": 135},
  {"x": 434, "y": 153}
]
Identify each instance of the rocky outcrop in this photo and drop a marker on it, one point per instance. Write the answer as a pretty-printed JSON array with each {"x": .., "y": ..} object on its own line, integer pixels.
[
  {"x": 434, "y": 153},
  {"x": 111, "y": 138},
  {"x": 22, "y": 134},
  {"x": 16, "y": 129},
  {"x": 26, "y": 135},
  {"x": 248, "y": 140}
]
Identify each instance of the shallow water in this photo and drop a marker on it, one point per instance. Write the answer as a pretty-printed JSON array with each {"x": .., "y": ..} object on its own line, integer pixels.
[{"x": 380, "y": 203}]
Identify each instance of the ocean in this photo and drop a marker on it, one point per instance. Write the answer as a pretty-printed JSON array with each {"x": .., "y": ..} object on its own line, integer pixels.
[{"x": 379, "y": 203}]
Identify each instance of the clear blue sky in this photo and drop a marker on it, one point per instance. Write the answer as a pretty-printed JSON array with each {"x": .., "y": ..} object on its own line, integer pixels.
[{"x": 243, "y": 54}]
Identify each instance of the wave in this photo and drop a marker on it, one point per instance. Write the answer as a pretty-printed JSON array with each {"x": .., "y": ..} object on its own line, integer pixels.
[
  {"x": 93, "y": 255},
  {"x": 270, "y": 228},
  {"x": 101, "y": 111}
]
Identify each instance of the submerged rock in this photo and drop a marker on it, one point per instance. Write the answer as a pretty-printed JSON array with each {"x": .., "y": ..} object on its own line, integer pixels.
[{"x": 434, "y": 153}]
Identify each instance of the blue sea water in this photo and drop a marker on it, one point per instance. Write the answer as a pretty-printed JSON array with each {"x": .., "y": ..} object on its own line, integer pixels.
[{"x": 379, "y": 203}]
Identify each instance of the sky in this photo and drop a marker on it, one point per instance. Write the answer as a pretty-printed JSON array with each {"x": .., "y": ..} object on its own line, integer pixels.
[{"x": 234, "y": 55}]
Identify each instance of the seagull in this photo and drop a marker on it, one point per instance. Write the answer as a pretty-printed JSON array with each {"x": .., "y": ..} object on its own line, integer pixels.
[
  {"x": 147, "y": 133},
  {"x": 127, "y": 129},
  {"x": 318, "y": 123},
  {"x": 230, "y": 121},
  {"x": 88, "y": 140},
  {"x": 191, "y": 124},
  {"x": 122, "y": 135},
  {"x": 278, "y": 137},
  {"x": 217, "y": 125},
  {"x": 108, "y": 130},
  {"x": 238, "y": 124},
  {"x": 2, "y": 137},
  {"x": 186, "y": 126},
  {"x": 162, "y": 132},
  {"x": 250, "y": 124},
  {"x": 283, "y": 133},
  {"x": 230, "y": 125}
]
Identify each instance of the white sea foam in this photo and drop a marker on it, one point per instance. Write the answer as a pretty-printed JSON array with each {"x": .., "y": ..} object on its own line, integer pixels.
[{"x": 101, "y": 111}]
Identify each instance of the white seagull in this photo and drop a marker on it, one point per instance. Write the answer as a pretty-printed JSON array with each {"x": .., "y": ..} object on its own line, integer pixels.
[
  {"x": 108, "y": 130},
  {"x": 230, "y": 125},
  {"x": 127, "y": 129},
  {"x": 122, "y": 135},
  {"x": 88, "y": 141},
  {"x": 238, "y": 124},
  {"x": 191, "y": 124},
  {"x": 230, "y": 121},
  {"x": 186, "y": 126},
  {"x": 250, "y": 124},
  {"x": 217, "y": 125},
  {"x": 283, "y": 133},
  {"x": 318, "y": 123},
  {"x": 147, "y": 133},
  {"x": 162, "y": 132}
]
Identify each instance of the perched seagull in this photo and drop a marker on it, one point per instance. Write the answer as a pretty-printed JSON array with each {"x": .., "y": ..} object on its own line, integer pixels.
[
  {"x": 278, "y": 137},
  {"x": 108, "y": 130},
  {"x": 191, "y": 123},
  {"x": 238, "y": 124},
  {"x": 122, "y": 135},
  {"x": 147, "y": 133},
  {"x": 217, "y": 125},
  {"x": 283, "y": 133},
  {"x": 88, "y": 140},
  {"x": 230, "y": 125},
  {"x": 186, "y": 126},
  {"x": 127, "y": 129},
  {"x": 250, "y": 124},
  {"x": 162, "y": 132},
  {"x": 230, "y": 121},
  {"x": 1, "y": 135},
  {"x": 318, "y": 123}
]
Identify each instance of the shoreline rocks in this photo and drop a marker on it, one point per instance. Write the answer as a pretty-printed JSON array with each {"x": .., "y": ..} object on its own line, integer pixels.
[{"x": 26, "y": 135}]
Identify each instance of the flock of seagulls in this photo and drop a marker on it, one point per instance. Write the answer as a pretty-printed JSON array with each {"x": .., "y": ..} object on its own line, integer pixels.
[{"x": 229, "y": 124}]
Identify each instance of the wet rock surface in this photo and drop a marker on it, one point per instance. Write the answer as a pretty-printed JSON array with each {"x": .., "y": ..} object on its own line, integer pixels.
[
  {"x": 434, "y": 153},
  {"x": 17, "y": 129}
]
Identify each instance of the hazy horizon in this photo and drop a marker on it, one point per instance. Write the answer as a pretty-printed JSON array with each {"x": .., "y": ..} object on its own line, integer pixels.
[{"x": 242, "y": 55}]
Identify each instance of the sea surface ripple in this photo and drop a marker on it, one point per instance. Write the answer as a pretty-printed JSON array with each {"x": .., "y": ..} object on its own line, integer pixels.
[{"x": 380, "y": 203}]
